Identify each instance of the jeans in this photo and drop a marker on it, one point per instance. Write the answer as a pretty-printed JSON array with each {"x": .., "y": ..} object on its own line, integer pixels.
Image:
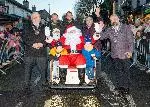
[
  {"x": 90, "y": 73},
  {"x": 120, "y": 73},
  {"x": 148, "y": 61},
  {"x": 135, "y": 56},
  {"x": 30, "y": 63},
  {"x": 3, "y": 57}
]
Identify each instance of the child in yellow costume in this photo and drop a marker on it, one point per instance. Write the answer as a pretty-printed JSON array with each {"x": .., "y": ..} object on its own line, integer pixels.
[{"x": 56, "y": 52}]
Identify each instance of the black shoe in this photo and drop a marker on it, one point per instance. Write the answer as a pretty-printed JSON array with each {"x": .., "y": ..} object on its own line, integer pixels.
[
  {"x": 54, "y": 83},
  {"x": 61, "y": 82},
  {"x": 82, "y": 83},
  {"x": 62, "y": 75},
  {"x": 91, "y": 83},
  {"x": 46, "y": 83},
  {"x": 81, "y": 75}
]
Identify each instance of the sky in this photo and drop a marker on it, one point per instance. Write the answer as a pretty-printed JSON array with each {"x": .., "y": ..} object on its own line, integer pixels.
[{"x": 58, "y": 6}]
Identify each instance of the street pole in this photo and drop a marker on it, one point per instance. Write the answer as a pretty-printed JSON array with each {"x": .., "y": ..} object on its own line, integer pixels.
[
  {"x": 49, "y": 8},
  {"x": 114, "y": 7},
  {"x": 49, "y": 12}
]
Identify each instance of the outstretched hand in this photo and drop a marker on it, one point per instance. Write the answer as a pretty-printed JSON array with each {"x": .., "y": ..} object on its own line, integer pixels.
[
  {"x": 97, "y": 11},
  {"x": 101, "y": 25},
  {"x": 49, "y": 40},
  {"x": 128, "y": 54}
]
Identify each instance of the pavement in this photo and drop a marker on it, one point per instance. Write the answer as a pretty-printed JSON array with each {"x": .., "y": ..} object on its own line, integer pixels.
[{"x": 12, "y": 94}]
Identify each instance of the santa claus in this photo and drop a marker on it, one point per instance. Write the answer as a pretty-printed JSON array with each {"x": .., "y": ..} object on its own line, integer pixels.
[{"x": 73, "y": 41}]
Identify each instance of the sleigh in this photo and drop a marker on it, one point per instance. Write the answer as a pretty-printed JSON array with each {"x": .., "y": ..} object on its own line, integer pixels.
[{"x": 72, "y": 80}]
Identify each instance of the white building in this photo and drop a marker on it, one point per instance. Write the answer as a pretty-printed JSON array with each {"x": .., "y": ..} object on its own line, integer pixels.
[{"x": 15, "y": 8}]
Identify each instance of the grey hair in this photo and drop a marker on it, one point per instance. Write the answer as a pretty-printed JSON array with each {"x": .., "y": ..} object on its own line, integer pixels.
[{"x": 35, "y": 13}]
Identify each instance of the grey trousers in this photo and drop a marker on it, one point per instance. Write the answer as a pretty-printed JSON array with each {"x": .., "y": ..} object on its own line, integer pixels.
[{"x": 30, "y": 63}]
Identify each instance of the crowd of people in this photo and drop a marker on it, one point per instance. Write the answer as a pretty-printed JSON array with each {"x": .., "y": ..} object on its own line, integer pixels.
[
  {"x": 10, "y": 41},
  {"x": 141, "y": 30}
]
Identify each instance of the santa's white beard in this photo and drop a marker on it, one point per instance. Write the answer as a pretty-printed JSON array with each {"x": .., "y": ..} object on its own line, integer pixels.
[
  {"x": 56, "y": 36},
  {"x": 72, "y": 40}
]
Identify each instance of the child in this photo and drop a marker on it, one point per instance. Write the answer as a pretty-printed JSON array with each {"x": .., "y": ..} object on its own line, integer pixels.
[
  {"x": 56, "y": 52},
  {"x": 90, "y": 54},
  {"x": 14, "y": 40}
]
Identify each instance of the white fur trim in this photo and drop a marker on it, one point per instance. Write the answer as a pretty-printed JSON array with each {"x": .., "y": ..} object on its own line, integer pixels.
[
  {"x": 81, "y": 66},
  {"x": 72, "y": 28},
  {"x": 63, "y": 66},
  {"x": 73, "y": 69}
]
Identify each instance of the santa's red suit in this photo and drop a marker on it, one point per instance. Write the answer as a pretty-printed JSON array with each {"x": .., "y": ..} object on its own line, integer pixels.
[{"x": 73, "y": 41}]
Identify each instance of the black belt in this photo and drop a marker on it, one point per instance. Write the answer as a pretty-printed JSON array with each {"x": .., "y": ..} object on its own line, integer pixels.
[{"x": 74, "y": 51}]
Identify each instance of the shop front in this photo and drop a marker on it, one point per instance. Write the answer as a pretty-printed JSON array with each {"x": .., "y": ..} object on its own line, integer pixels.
[{"x": 5, "y": 17}]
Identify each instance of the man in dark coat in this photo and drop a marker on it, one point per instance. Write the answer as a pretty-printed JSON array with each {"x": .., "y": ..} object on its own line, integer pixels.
[
  {"x": 55, "y": 23},
  {"x": 35, "y": 51},
  {"x": 68, "y": 21},
  {"x": 121, "y": 38}
]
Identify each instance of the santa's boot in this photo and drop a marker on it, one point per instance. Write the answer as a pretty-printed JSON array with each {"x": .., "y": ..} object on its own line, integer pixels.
[
  {"x": 62, "y": 75},
  {"x": 81, "y": 74}
]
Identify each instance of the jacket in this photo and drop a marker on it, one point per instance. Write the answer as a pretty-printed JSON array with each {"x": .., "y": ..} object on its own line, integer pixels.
[
  {"x": 29, "y": 38},
  {"x": 121, "y": 40},
  {"x": 90, "y": 62},
  {"x": 57, "y": 25}
]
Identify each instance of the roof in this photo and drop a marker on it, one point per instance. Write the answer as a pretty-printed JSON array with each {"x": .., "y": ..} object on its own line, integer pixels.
[
  {"x": 6, "y": 18},
  {"x": 44, "y": 14},
  {"x": 19, "y": 5}
]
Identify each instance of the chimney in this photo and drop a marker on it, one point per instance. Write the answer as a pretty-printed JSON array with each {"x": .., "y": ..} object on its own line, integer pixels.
[
  {"x": 33, "y": 8},
  {"x": 26, "y": 3}
]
